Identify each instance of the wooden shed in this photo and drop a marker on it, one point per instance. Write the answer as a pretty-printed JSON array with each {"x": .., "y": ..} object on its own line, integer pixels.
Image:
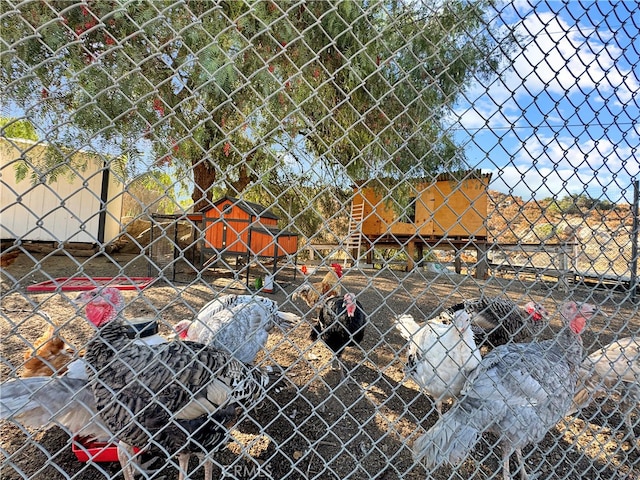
[
  {"x": 234, "y": 227},
  {"x": 84, "y": 207},
  {"x": 448, "y": 212}
]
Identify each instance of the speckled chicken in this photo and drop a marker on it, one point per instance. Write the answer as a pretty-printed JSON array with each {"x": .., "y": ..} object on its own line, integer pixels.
[
  {"x": 499, "y": 320},
  {"x": 341, "y": 323},
  {"x": 519, "y": 391},
  {"x": 178, "y": 395},
  {"x": 238, "y": 324},
  {"x": 440, "y": 355}
]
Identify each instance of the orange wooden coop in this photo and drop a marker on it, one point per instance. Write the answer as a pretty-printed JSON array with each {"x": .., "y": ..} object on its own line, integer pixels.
[{"x": 236, "y": 228}]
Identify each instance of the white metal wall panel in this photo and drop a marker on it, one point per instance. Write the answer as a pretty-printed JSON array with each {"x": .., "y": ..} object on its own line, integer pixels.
[{"x": 66, "y": 210}]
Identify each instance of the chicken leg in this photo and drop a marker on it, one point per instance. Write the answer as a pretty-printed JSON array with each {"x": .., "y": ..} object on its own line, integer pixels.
[
  {"x": 125, "y": 457},
  {"x": 506, "y": 473}
]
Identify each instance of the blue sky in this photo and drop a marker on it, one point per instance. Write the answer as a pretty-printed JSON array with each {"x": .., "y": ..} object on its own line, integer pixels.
[{"x": 561, "y": 120}]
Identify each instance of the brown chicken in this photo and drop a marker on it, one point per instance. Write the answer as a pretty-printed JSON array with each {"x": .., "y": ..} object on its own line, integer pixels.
[
  {"x": 49, "y": 354},
  {"x": 8, "y": 257},
  {"x": 328, "y": 287}
]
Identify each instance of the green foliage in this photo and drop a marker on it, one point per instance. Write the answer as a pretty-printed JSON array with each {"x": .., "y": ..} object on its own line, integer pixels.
[
  {"x": 18, "y": 128},
  {"x": 152, "y": 192},
  {"x": 430, "y": 256},
  {"x": 213, "y": 86},
  {"x": 58, "y": 162},
  {"x": 544, "y": 231},
  {"x": 306, "y": 209},
  {"x": 579, "y": 205}
]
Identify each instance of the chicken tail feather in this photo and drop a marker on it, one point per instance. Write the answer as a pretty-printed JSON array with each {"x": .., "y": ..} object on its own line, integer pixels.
[
  {"x": 44, "y": 401},
  {"x": 288, "y": 320},
  {"x": 450, "y": 440},
  {"x": 406, "y": 325}
]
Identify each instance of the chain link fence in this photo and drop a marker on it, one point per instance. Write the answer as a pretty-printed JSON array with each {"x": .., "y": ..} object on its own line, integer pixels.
[{"x": 431, "y": 151}]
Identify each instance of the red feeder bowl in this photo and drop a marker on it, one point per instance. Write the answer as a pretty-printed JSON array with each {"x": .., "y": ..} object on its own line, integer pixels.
[{"x": 89, "y": 451}]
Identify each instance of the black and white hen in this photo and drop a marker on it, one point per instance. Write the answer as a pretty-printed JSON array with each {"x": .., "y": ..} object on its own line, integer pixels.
[
  {"x": 178, "y": 396},
  {"x": 499, "y": 320}
]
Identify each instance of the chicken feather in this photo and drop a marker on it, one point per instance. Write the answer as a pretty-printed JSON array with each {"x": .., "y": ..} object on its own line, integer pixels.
[
  {"x": 238, "y": 324},
  {"x": 44, "y": 401},
  {"x": 519, "y": 391},
  {"x": 440, "y": 355},
  {"x": 313, "y": 293},
  {"x": 613, "y": 368},
  {"x": 162, "y": 394},
  {"x": 499, "y": 320},
  {"x": 341, "y": 323},
  {"x": 49, "y": 353}
]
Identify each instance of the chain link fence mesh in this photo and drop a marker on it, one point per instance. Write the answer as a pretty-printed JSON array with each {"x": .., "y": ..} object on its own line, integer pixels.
[{"x": 433, "y": 151}]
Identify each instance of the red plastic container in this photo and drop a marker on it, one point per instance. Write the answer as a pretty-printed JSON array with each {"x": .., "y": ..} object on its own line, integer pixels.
[
  {"x": 78, "y": 284},
  {"x": 88, "y": 451}
]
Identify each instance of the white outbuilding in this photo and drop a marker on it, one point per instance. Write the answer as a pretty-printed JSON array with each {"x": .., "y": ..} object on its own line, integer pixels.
[{"x": 80, "y": 204}]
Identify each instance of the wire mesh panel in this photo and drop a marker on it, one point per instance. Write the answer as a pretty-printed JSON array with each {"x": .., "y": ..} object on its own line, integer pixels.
[{"x": 319, "y": 240}]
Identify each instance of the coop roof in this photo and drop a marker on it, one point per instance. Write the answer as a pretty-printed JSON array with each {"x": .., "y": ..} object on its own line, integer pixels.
[
  {"x": 442, "y": 177},
  {"x": 273, "y": 231},
  {"x": 251, "y": 208}
]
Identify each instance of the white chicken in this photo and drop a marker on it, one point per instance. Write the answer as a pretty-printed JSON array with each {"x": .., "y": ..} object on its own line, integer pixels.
[
  {"x": 440, "y": 355},
  {"x": 238, "y": 324},
  {"x": 613, "y": 368},
  {"x": 519, "y": 391}
]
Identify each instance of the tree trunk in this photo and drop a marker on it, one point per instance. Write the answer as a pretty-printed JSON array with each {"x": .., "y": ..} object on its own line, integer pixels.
[
  {"x": 204, "y": 175},
  {"x": 245, "y": 178}
]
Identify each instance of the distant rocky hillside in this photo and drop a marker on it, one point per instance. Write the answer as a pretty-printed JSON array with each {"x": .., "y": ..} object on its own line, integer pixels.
[
  {"x": 601, "y": 238},
  {"x": 512, "y": 219}
]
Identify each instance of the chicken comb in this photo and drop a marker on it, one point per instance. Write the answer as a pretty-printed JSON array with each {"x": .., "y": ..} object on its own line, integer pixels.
[{"x": 337, "y": 268}]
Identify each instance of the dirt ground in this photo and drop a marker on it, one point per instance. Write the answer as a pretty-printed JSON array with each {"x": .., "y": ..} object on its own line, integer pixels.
[{"x": 324, "y": 427}]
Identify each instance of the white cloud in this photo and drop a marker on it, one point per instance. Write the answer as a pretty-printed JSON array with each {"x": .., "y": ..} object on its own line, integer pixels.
[
  {"x": 562, "y": 119},
  {"x": 547, "y": 167},
  {"x": 566, "y": 59}
]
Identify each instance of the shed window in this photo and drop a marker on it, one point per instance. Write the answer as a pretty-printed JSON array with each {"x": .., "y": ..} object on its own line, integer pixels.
[
  {"x": 409, "y": 212},
  {"x": 226, "y": 210}
]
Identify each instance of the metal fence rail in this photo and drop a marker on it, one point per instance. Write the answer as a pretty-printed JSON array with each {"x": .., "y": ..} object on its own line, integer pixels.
[{"x": 395, "y": 157}]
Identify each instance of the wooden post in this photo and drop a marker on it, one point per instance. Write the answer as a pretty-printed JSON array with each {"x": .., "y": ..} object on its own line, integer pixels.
[
  {"x": 411, "y": 250},
  {"x": 635, "y": 231},
  {"x": 482, "y": 266},
  {"x": 564, "y": 268},
  {"x": 420, "y": 249}
]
